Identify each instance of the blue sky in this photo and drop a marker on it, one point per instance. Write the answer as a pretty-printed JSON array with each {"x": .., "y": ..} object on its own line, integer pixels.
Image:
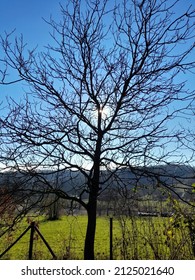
[{"x": 26, "y": 16}]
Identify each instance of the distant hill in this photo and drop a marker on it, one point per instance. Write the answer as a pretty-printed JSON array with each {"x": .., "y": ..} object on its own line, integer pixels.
[{"x": 142, "y": 181}]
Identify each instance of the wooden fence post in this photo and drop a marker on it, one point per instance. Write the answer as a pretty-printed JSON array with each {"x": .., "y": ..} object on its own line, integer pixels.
[
  {"x": 33, "y": 228},
  {"x": 31, "y": 241}
]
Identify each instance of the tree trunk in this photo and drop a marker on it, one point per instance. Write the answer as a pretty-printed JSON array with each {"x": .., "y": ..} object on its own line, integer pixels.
[
  {"x": 91, "y": 229},
  {"x": 93, "y": 195}
]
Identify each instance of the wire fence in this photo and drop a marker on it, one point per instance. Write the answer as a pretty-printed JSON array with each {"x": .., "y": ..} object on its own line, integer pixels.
[
  {"x": 117, "y": 238},
  {"x": 32, "y": 228}
]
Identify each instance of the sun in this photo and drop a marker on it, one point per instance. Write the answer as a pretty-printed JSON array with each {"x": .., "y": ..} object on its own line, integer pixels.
[{"x": 105, "y": 112}]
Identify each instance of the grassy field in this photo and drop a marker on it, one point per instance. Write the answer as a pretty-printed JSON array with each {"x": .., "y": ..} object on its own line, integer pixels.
[{"x": 133, "y": 238}]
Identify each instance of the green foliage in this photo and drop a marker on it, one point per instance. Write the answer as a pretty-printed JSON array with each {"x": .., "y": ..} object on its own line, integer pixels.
[{"x": 193, "y": 188}]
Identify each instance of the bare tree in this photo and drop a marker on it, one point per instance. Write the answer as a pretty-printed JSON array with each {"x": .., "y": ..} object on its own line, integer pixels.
[{"x": 103, "y": 96}]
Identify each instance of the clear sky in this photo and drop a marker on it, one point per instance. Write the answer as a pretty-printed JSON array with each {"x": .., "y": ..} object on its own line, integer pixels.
[{"x": 26, "y": 16}]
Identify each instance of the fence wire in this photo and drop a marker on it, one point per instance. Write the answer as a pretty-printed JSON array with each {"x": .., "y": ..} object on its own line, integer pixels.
[{"x": 132, "y": 238}]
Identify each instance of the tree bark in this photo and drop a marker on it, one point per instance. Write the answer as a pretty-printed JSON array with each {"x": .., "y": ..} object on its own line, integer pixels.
[
  {"x": 92, "y": 202},
  {"x": 91, "y": 229}
]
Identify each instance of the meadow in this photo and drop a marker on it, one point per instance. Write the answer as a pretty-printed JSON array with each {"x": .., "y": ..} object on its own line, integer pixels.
[{"x": 133, "y": 238}]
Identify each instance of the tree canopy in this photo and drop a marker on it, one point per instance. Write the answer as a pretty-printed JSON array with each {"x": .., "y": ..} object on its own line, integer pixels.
[{"x": 108, "y": 92}]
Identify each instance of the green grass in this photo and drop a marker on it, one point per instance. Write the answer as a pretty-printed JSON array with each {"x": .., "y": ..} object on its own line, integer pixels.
[{"x": 136, "y": 238}]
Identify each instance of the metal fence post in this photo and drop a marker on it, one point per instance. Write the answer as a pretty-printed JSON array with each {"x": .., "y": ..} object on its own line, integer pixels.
[{"x": 111, "y": 238}]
